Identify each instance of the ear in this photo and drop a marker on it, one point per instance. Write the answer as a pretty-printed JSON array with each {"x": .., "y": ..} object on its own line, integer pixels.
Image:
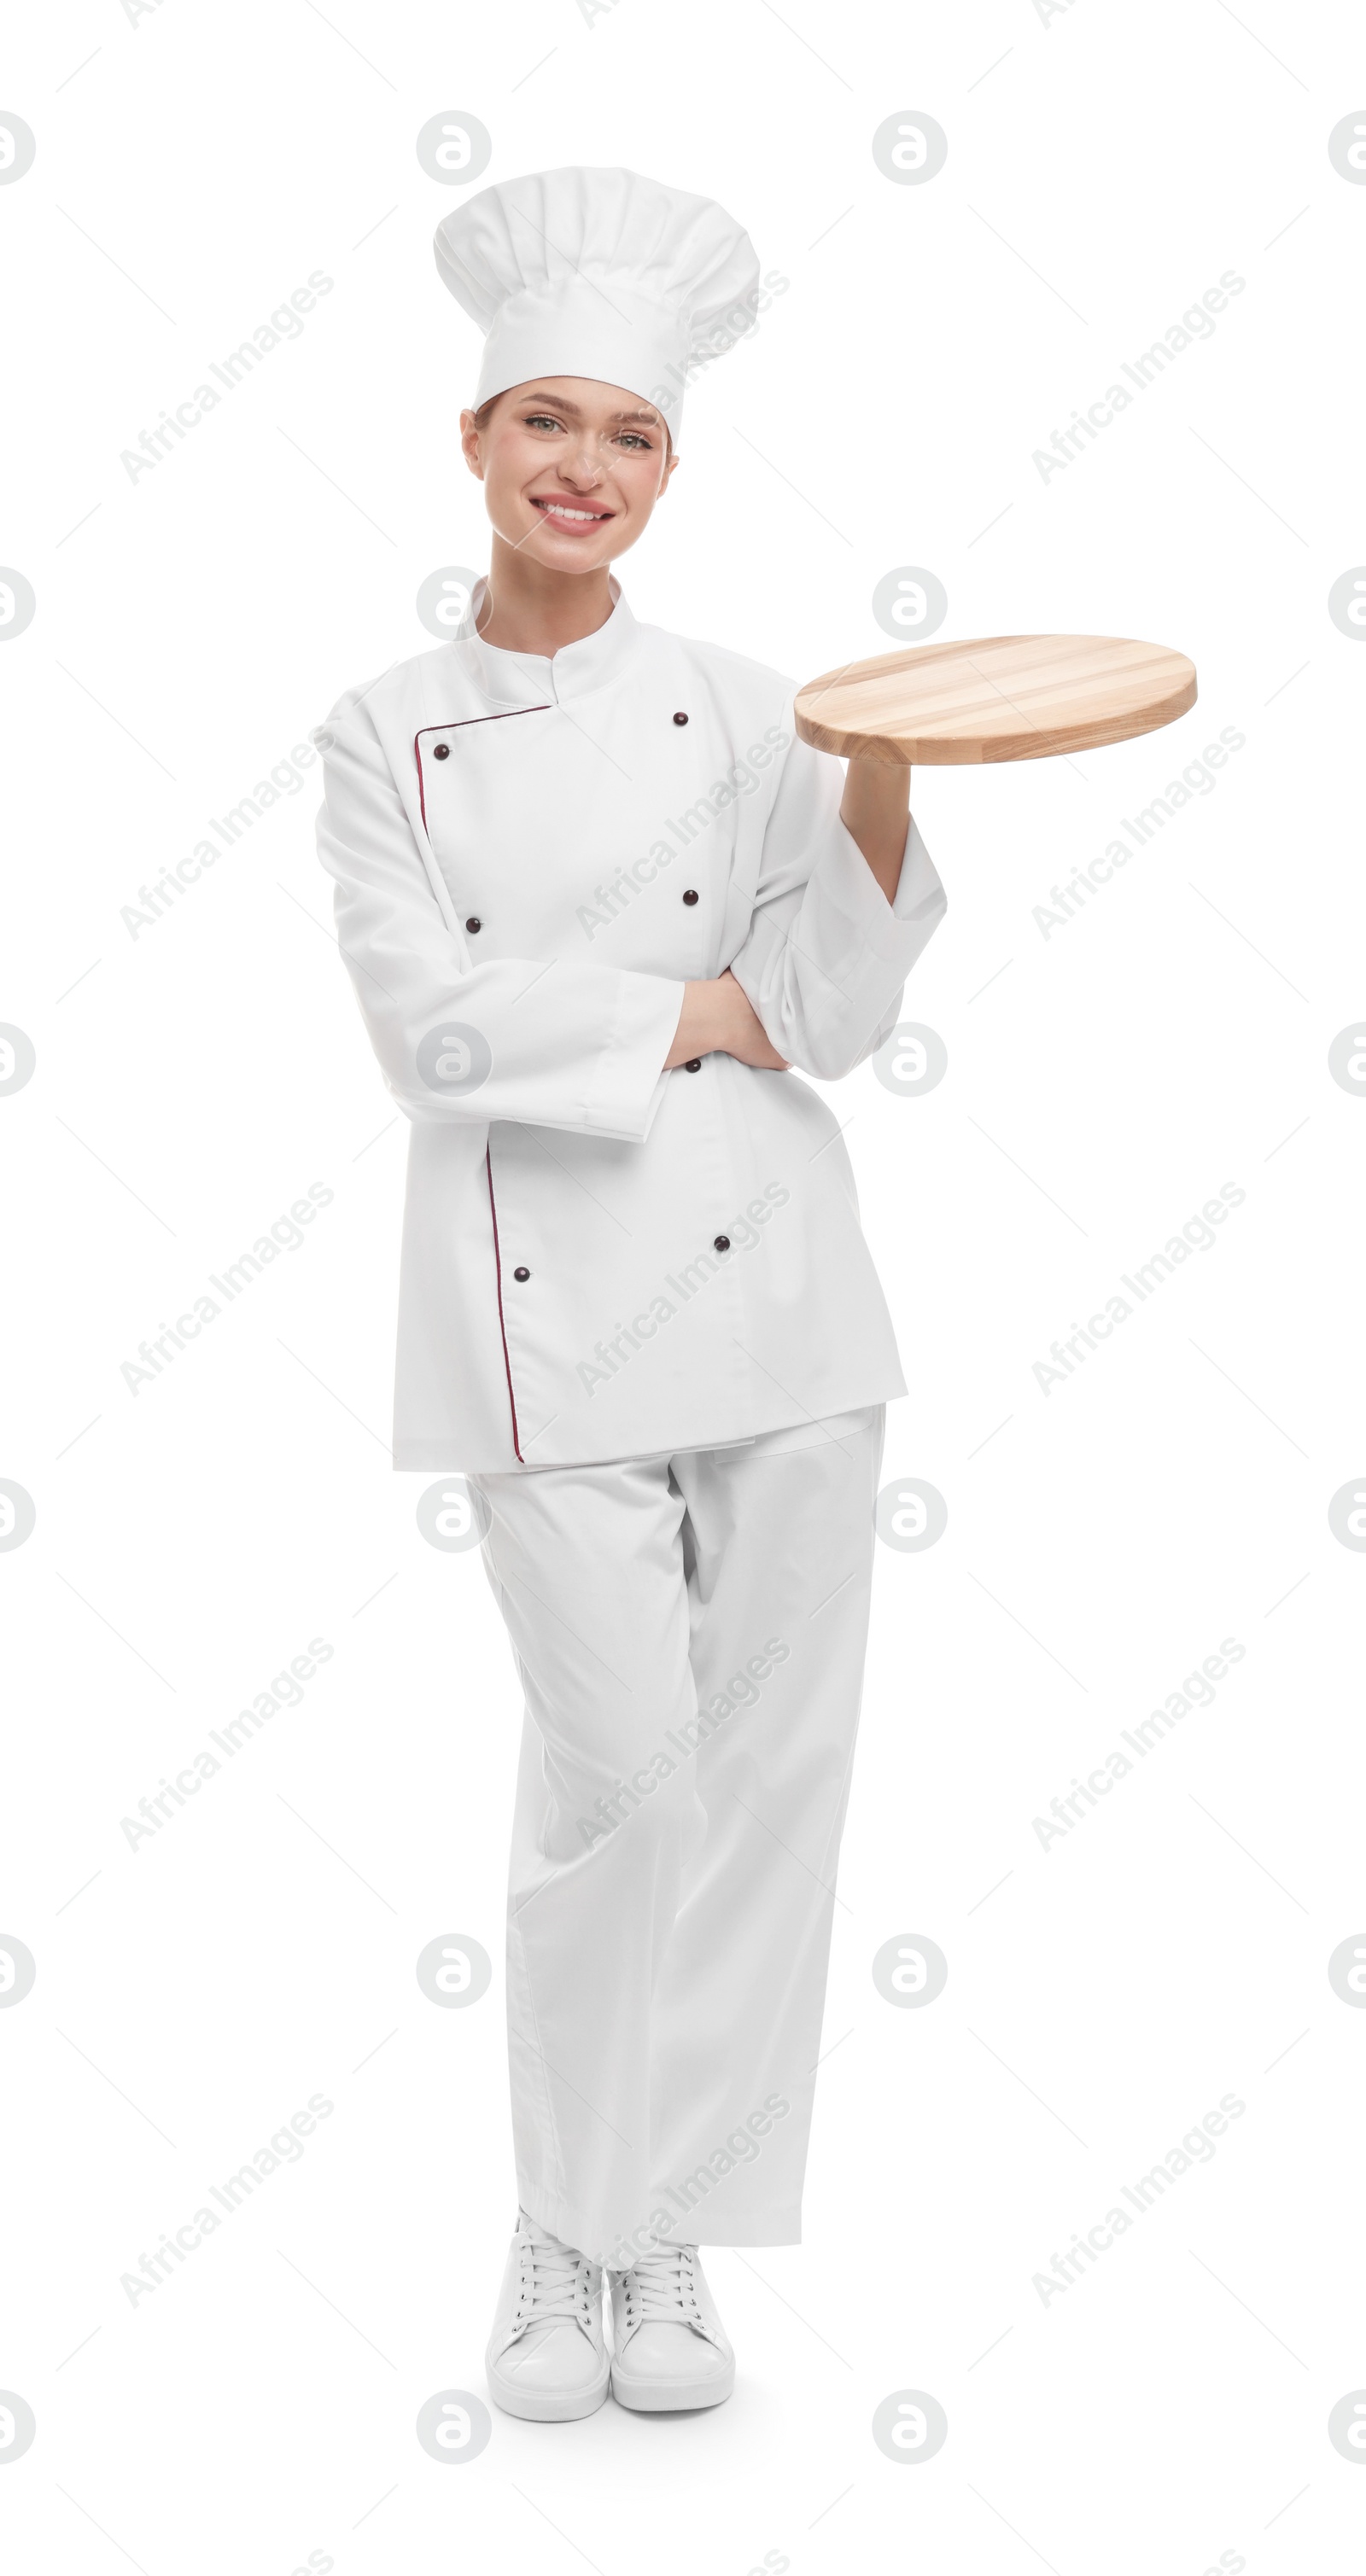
[
  {"x": 470, "y": 444},
  {"x": 668, "y": 474}
]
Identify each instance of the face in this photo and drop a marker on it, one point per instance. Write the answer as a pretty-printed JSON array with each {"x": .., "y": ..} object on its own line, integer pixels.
[{"x": 571, "y": 469}]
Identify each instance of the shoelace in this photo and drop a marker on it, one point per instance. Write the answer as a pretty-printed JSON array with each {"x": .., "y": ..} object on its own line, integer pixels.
[
  {"x": 660, "y": 2289},
  {"x": 555, "y": 2287}
]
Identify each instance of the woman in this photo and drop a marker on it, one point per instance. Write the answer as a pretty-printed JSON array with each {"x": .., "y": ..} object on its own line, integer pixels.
[{"x": 597, "y": 900}]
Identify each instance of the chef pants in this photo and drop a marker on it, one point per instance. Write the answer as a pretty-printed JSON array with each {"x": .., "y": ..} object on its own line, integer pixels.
[{"x": 689, "y": 1631}]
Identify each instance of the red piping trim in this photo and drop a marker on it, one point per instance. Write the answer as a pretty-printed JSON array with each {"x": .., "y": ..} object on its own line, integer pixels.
[
  {"x": 457, "y": 725},
  {"x": 502, "y": 1327}
]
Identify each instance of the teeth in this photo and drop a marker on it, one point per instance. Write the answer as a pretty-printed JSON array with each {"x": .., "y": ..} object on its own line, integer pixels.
[{"x": 558, "y": 510}]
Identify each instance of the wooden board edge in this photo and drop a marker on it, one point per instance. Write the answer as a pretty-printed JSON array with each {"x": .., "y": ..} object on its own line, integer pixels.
[{"x": 932, "y": 752}]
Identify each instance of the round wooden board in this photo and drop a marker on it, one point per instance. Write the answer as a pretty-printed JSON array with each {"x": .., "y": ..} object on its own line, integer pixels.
[{"x": 995, "y": 697}]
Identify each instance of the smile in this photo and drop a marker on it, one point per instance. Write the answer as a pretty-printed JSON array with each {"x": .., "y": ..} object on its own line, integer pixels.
[{"x": 571, "y": 518}]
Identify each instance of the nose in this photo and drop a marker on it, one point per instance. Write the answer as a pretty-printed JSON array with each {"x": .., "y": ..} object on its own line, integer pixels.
[{"x": 579, "y": 465}]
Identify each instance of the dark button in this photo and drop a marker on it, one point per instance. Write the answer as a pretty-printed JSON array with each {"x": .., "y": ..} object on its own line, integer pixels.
[
  {"x": 723, "y": 1243},
  {"x": 691, "y": 895},
  {"x": 474, "y": 922},
  {"x": 442, "y": 751},
  {"x": 521, "y": 1274},
  {"x": 693, "y": 1065},
  {"x": 680, "y": 719}
]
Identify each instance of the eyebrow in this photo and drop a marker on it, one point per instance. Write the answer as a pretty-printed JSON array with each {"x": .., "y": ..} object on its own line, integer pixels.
[{"x": 557, "y": 402}]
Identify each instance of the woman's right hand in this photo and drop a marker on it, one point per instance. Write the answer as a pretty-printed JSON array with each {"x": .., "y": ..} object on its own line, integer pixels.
[{"x": 718, "y": 1018}]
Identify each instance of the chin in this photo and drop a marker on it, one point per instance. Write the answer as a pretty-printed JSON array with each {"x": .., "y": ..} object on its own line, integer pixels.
[{"x": 566, "y": 554}]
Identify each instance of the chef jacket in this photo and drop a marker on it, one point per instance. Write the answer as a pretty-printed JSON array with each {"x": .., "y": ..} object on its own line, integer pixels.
[{"x": 532, "y": 856}]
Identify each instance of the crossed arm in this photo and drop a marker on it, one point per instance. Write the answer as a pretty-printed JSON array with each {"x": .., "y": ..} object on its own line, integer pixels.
[
  {"x": 584, "y": 1048},
  {"x": 717, "y": 1017}
]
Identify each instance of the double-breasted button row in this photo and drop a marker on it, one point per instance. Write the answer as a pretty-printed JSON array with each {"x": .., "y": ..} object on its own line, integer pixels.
[
  {"x": 521, "y": 1274},
  {"x": 691, "y": 895},
  {"x": 722, "y": 1243},
  {"x": 442, "y": 751}
]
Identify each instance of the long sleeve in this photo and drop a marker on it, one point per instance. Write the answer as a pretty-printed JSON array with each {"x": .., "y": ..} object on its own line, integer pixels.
[
  {"x": 544, "y": 1043},
  {"x": 826, "y": 955}
]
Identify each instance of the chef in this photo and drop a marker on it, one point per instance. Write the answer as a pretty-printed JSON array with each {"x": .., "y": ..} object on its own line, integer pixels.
[{"x": 605, "y": 916}]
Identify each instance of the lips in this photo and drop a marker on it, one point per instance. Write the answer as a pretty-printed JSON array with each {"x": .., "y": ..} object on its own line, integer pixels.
[{"x": 566, "y": 514}]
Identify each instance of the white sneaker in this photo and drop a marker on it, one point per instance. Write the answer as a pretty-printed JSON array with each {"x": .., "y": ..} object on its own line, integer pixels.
[
  {"x": 546, "y": 2357},
  {"x": 670, "y": 2348}
]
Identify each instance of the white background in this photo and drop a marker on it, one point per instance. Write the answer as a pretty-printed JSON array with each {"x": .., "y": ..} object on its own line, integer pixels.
[{"x": 1169, "y": 2410}]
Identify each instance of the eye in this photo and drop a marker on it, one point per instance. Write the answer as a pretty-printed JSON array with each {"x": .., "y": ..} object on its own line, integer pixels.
[
  {"x": 541, "y": 420},
  {"x": 632, "y": 438}
]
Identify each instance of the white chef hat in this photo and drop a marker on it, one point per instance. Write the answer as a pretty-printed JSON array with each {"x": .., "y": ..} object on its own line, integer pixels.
[{"x": 599, "y": 273}]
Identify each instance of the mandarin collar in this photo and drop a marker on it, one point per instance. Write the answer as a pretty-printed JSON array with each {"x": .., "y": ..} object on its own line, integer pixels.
[{"x": 536, "y": 679}]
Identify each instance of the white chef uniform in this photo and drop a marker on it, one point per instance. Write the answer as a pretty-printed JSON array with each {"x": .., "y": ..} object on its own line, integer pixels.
[
  {"x": 636, "y": 1306},
  {"x": 531, "y": 858},
  {"x": 690, "y": 1635}
]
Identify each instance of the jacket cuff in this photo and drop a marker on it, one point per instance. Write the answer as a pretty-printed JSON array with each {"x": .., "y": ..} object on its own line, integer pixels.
[
  {"x": 629, "y": 1083},
  {"x": 898, "y": 931}
]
